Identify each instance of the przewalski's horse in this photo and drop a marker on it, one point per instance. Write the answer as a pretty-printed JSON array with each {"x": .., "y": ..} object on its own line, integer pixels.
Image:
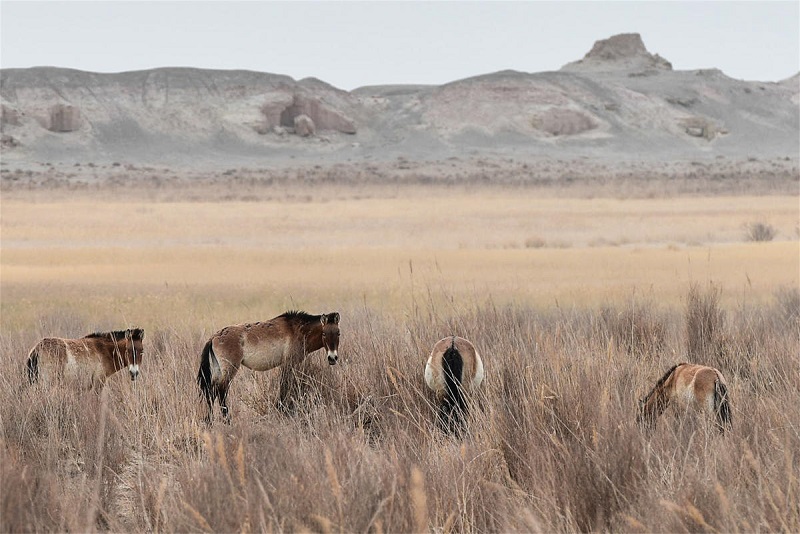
[
  {"x": 696, "y": 386},
  {"x": 454, "y": 369},
  {"x": 87, "y": 361},
  {"x": 286, "y": 339}
]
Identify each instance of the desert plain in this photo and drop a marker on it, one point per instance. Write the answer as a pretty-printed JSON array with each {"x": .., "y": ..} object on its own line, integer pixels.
[{"x": 288, "y": 245}]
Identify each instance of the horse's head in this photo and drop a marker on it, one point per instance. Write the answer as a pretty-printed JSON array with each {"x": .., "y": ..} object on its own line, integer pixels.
[
  {"x": 330, "y": 335},
  {"x": 646, "y": 413},
  {"x": 133, "y": 350}
]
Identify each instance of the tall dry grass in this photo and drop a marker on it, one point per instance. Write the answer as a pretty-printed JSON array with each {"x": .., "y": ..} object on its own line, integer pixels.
[{"x": 552, "y": 446}]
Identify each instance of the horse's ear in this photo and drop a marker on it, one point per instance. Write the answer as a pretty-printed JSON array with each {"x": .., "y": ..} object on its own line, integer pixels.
[
  {"x": 135, "y": 333},
  {"x": 330, "y": 318}
]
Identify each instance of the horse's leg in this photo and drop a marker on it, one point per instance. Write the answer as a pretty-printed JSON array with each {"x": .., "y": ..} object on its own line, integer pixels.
[
  {"x": 445, "y": 415},
  {"x": 219, "y": 363},
  {"x": 222, "y": 390},
  {"x": 722, "y": 407},
  {"x": 289, "y": 388},
  {"x": 456, "y": 418},
  {"x": 33, "y": 365}
]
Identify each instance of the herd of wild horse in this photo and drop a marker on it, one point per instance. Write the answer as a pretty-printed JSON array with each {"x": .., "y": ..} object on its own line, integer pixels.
[{"x": 453, "y": 370}]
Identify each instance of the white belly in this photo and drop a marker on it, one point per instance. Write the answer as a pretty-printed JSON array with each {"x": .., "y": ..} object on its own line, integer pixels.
[
  {"x": 265, "y": 356},
  {"x": 84, "y": 372}
]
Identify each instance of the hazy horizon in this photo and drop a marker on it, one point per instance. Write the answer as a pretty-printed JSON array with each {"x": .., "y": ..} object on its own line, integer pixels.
[{"x": 353, "y": 44}]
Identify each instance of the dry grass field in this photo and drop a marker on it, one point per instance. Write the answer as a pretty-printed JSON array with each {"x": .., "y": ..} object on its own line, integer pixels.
[
  {"x": 374, "y": 246},
  {"x": 578, "y": 304}
]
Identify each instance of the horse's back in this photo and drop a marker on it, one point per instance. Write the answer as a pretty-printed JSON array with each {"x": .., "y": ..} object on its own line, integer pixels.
[
  {"x": 257, "y": 346},
  {"x": 65, "y": 359},
  {"x": 52, "y": 348},
  {"x": 47, "y": 358},
  {"x": 696, "y": 384}
]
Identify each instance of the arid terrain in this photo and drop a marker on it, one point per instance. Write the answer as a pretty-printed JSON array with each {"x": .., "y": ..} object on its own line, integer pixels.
[
  {"x": 332, "y": 244},
  {"x": 586, "y": 229},
  {"x": 618, "y": 103}
]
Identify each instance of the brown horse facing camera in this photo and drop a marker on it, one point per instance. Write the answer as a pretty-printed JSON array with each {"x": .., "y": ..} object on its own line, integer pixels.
[
  {"x": 261, "y": 346},
  {"x": 87, "y": 361},
  {"x": 696, "y": 386},
  {"x": 454, "y": 369}
]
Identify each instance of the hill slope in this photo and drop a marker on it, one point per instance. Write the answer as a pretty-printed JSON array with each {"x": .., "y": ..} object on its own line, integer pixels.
[{"x": 619, "y": 101}]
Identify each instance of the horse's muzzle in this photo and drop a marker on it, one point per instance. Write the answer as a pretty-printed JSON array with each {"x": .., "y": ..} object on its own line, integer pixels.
[
  {"x": 134, "y": 370},
  {"x": 333, "y": 357}
]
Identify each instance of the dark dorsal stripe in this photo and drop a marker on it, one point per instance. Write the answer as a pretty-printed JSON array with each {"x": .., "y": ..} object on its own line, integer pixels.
[
  {"x": 118, "y": 335},
  {"x": 299, "y": 315},
  {"x": 306, "y": 318},
  {"x": 662, "y": 380}
]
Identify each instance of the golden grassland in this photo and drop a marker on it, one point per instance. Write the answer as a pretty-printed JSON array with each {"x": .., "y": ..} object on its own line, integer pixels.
[
  {"x": 578, "y": 306},
  {"x": 418, "y": 217},
  {"x": 551, "y": 447},
  {"x": 374, "y": 247},
  {"x": 246, "y": 284}
]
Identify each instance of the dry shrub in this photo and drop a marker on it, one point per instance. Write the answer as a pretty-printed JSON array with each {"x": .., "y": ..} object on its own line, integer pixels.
[
  {"x": 77, "y": 445},
  {"x": 759, "y": 232},
  {"x": 705, "y": 323},
  {"x": 30, "y": 500},
  {"x": 638, "y": 329},
  {"x": 788, "y": 305},
  {"x": 560, "y": 450}
]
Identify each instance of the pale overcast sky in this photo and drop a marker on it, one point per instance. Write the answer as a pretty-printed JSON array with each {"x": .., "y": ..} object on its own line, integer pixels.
[{"x": 350, "y": 44}]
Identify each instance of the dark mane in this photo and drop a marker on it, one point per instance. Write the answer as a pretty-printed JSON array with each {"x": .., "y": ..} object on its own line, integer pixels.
[
  {"x": 299, "y": 315},
  {"x": 662, "y": 380},
  {"x": 117, "y": 335}
]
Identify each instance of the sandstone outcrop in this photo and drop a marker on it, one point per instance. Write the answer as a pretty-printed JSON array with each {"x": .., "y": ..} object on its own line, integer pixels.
[
  {"x": 64, "y": 118},
  {"x": 625, "y": 51},
  {"x": 559, "y": 122},
  {"x": 304, "y": 126}
]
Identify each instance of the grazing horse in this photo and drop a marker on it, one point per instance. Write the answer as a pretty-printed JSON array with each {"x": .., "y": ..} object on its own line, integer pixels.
[
  {"x": 286, "y": 339},
  {"x": 454, "y": 369},
  {"x": 690, "y": 385},
  {"x": 88, "y": 360}
]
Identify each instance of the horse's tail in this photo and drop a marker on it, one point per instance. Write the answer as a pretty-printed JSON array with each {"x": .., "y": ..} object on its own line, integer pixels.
[
  {"x": 32, "y": 365},
  {"x": 207, "y": 390},
  {"x": 722, "y": 406},
  {"x": 454, "y": 406}
]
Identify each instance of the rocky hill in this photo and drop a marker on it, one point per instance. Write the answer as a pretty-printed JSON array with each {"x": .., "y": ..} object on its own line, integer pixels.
[{"x": 618, "y": 102}]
